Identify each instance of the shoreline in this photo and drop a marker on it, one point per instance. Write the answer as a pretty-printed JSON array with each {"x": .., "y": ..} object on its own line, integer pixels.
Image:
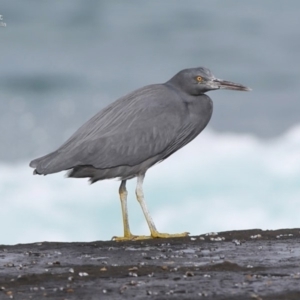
[{"x": 245, "y": 264}]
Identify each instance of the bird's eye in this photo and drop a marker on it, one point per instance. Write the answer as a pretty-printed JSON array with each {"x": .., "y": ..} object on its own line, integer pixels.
[{"x": 199, "y": 78}]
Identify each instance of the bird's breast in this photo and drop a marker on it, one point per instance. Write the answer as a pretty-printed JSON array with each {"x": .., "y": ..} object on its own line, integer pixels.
[{"x": 200, "y": 112}]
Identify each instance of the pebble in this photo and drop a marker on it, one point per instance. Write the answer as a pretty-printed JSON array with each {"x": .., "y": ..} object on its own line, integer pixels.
[
  {"x": 217, "y": 239},
  {"x": 211, "y": 233},
  {"x": 257, "y": 236},
  {"x": 189, "y": 274},
  {"x": 237, "y": 242},
  {"x": 283, "y": 235},
  {"x": 123, "y": 288}
]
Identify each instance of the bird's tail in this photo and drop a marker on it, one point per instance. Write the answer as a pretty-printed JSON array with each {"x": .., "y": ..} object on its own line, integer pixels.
[{"x": 44, "y": 165}]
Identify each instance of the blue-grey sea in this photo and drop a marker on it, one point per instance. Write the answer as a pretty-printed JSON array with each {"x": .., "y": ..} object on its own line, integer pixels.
[{"x": 62, "y": 61}]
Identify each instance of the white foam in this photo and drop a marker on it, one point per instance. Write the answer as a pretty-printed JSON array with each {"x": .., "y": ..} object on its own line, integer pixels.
[{"x": 217, "y": 182}]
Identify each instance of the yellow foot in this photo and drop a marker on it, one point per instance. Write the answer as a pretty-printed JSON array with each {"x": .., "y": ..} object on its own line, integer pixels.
[
  {"x": 154, "y": 235},
  {"x": 130, "y": 237},
  {"x": 167, "y": 235}
]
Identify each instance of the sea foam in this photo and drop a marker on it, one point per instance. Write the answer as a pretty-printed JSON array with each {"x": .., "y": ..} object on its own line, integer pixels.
[{"x": 218, "y": 182}]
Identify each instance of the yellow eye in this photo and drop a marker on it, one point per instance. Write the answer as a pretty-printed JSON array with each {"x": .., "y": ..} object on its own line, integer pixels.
[{"x": 199, "y": 78}]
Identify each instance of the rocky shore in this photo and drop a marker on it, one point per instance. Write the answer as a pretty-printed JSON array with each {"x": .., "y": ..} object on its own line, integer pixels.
[{"x": 246, "y": 264}]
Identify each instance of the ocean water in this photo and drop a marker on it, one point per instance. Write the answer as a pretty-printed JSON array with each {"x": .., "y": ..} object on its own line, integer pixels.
[
  {"x": 218, "y": 182},
  {"x": 58, "y": 67}
]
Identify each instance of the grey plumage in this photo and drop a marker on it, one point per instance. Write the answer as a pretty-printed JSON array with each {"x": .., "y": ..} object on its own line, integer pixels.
[{"x": 139, "y": 130}]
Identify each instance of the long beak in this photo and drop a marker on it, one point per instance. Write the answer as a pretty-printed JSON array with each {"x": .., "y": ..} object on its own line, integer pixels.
[{"x": 223, "y": 84}]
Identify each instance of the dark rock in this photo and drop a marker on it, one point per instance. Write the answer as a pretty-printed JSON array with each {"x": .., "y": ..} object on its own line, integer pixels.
[{"x": 247, "y": 264}]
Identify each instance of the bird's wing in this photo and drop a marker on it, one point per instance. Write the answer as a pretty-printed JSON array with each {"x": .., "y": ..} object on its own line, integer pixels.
[{"x": 141, "y": 125}]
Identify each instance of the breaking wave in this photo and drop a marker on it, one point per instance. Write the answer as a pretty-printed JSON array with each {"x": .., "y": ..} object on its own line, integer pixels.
[{"x": 218, "y": 182}]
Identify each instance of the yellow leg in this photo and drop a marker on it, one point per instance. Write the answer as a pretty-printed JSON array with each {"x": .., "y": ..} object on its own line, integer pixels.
[
  {"x": 128, "y": 236},
  {"x": 123, "y": 197},
  {"x": 154, "y": 233}
]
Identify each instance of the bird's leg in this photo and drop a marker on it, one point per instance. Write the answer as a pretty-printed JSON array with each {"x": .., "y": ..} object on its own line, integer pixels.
[
  {"x": 123, "y": 198},
  {"x": 140, "y": 197}
]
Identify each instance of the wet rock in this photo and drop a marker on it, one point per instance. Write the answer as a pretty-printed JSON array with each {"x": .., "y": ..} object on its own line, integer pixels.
[{"x": 248, "y": 264}]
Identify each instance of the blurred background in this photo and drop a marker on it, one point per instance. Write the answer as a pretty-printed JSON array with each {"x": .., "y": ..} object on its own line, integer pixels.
[{"x": 62, "y": 61}]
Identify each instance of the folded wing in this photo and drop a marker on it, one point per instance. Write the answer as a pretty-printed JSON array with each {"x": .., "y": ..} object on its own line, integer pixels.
[{"x": 146, "y": 123}]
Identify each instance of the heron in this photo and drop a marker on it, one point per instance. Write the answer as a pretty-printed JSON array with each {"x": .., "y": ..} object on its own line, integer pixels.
[{"x": 134, "y": 133}]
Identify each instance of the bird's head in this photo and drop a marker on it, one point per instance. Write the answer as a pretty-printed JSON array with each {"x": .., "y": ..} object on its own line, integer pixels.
[{"x": 197, "y": 81}]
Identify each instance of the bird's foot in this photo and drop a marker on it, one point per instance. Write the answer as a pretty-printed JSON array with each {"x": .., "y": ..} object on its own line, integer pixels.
[
  {"x": 130, "y": 237},
  {"x": 160, "y": 235},
  {"x": 154, "y": 235}
]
